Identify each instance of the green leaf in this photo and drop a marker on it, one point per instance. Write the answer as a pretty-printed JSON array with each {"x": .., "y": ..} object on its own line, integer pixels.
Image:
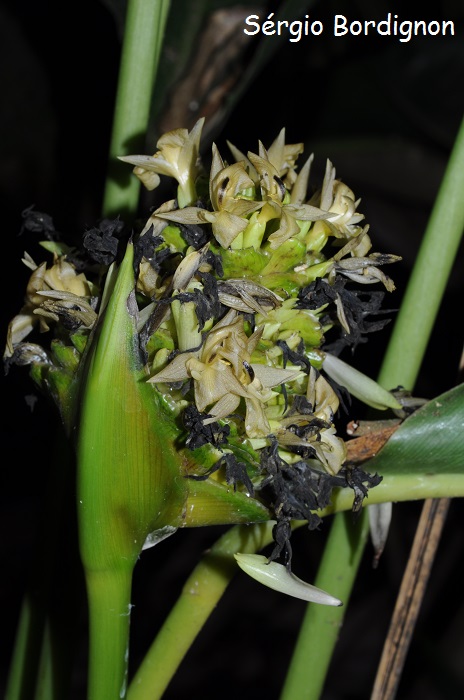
[{"x": 429, "y": 442}]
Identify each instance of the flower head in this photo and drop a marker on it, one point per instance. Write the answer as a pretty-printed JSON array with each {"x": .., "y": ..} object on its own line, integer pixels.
[{"x": 232, "y": 303}]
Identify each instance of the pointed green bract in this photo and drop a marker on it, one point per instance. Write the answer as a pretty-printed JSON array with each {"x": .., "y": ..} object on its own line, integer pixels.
[{"x": 129, "y": 480}]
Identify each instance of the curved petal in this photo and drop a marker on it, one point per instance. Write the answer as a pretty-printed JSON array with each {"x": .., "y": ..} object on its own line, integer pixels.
[{"x": 279, "y": 578}]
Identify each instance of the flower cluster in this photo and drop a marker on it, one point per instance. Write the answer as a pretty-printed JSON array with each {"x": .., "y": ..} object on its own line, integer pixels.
[{"x": 247, "y": 289}]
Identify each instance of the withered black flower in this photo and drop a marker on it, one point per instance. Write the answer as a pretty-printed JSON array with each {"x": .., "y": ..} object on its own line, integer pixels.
[
  {"x": 296, "y": 491},
  {"x": 295, "y": 357},
  {"x": 356, "y": 306},
  {"x": 207, "y": 304},
  {"x": 201, "y": 434},
  {"x": 194, "y": 235},
  {"x": 102, "y": 241},
  {"x": 235, "y": 472},
  {"x": 38, "y": 222}
]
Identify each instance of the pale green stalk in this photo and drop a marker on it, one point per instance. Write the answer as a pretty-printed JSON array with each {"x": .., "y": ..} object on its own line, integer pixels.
[
  {"x": 321, "y": 625},
  {"x": 109, "y": 616},
  {"x": 200, "y": 595},
  {"x": 401, "y": 366},
  {"x": 142, "y": 43},
  {"x": 34, "y": 657},
  {"x": 429, "y": 277}
]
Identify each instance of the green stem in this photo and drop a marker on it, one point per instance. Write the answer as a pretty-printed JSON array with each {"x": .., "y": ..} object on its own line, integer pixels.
[
  {"x": 143, "y": 38},
  {"x": 426, "y": 286},
  {"x": 400, "y": 367},
  {"x": 208, "y": 581},
  {"x": 109, "y": 595},
  {"x": 200, "y": 595},
  {"x": 43, "y": 646},
  {"x": 343, "y": 553}
]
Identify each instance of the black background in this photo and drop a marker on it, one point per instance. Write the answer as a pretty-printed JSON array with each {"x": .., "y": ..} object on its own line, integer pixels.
[{"x": 386, "y": 113}]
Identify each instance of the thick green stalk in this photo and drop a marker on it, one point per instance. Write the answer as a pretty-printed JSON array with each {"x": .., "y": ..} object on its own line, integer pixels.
[
  {"x": 143, "y": 38},
  {"x": 129, "y": 482},
  {"x": 400, "y": 366},
  {"x": 109, "y": 594}
]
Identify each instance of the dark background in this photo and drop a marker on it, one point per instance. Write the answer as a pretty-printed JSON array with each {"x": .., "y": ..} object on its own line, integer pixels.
[{"x": 386, "y": 113}]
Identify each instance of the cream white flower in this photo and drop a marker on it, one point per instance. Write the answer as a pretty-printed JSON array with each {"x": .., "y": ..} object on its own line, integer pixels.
[
  {"x": 223, "y": 375},
  {"x": 177, "y": 156},
  {"x": 51, "y": 292},
  {"x": 228, "y": 218}
]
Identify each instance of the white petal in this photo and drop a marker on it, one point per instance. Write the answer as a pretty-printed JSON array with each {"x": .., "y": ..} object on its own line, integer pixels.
[
  {"x": 175, "y": 371},
  {"x": 273, "y": 376},
  {"x": 358, "y": 384},
  {"x": 380, "y": 515},
  {"x": 277, "y": 577}
]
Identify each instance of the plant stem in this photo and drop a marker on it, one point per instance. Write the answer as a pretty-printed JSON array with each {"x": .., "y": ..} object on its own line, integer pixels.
[
  {"x": 143, "y": 38},
  {"x": 426, "y": 286},
  {"x": 400, "y": 367},
  {"x": 44, "y": 639},
  {"x": 200, "y": 594},
  {"x": 343, "y": 553},
  {"x": 109, "y": 595}
]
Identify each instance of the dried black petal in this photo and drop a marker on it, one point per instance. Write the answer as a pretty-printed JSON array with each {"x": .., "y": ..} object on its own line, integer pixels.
[
  {"x": 210, "y": 292},
  {"x": 360, "y": 481},
  {"x": 358, "y": 305},
  {"x": 281, "y": 534},
  {"x": 102, "y": 242},
  {"x": 194, "y": 235},
  {"x": 317, "y": 294},
  {"x": 295, "y": 491},
  {"x": 215, "y": 261},
  {"x": 38, "y": 222},
  {"x": 296, "y": 357},
  {"x": 207, "y": 304},
  {"x": 236, "y": 472},
  {"x": 301, "y": 405},
  {"x": 200, "y": 434},
  {"x": 145, "y": 247}
]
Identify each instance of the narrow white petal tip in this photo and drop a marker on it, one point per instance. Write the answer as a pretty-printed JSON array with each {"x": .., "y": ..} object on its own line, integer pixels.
[
  {"x": 279, "y": 578},
  {"x": 358, "y": 384}
]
